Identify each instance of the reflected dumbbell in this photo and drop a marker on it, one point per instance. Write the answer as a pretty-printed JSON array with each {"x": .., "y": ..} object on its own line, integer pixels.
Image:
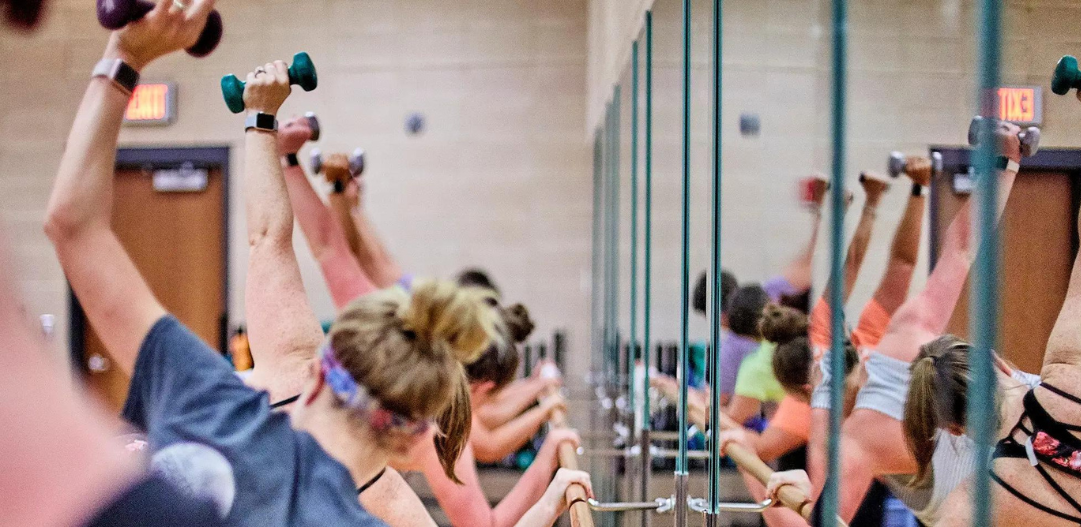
[
  {"x": 1066, "y": 76},
  {"x": 898, "y": 164},
  {"x": 301, "y": 72},
  {"x": 115, "y": 14},
  {"x": 1029, "y": 137},
  {"x": 313, "y": 125}
]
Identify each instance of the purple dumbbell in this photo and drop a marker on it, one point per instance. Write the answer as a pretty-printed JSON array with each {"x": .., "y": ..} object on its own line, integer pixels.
[{"x": 115, "y": 14}]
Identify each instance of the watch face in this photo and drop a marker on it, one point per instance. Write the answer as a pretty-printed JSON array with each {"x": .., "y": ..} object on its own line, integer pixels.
[{"x": 127, "y": 76}]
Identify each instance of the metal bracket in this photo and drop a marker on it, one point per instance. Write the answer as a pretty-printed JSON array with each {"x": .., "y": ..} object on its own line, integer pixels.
[{"x": 702, "y": 506}]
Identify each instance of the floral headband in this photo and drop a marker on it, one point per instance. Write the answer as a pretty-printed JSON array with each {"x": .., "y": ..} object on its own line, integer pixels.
[{"x": 356, "y": 397}]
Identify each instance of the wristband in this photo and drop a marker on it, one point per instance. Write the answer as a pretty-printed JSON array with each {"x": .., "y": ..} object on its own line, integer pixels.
[
  {"x": 917, "y": 189},
  {"x": 117, "y": 71},
  {"x": 261, "y": 121},
  {"x": 291, "y": 160},
  {"x": 339, "y": 187},
  {"x": 1005, "y": 163}
]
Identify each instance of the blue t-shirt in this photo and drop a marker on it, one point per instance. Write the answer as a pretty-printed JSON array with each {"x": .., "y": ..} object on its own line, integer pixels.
[{"x": 214, "y": 437}]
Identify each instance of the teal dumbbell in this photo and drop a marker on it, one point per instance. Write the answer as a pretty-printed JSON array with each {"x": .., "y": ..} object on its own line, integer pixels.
[
  {"x": 1066, "y": 76},
  {"x": 301, "y": 73}
]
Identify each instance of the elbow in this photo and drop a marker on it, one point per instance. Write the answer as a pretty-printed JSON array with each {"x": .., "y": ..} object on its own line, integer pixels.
[{"x": 61, "y": 223}]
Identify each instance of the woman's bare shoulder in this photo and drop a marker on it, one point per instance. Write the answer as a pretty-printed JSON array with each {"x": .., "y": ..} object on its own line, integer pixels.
[{"x": 392, "y": 500}]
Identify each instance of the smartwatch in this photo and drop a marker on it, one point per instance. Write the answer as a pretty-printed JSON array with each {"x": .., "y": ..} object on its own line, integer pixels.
[
  {"x": 261, "y": 121},
  {"x": 291, "y": 160},
  {"x": 1005, "y": 163},
  {"x": 117, "y": 71}
]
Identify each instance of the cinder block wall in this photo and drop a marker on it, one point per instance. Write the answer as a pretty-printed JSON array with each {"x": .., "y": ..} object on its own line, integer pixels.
[
  {"x": 911, "y": 84},
  {"x": 500, "y": 178}
]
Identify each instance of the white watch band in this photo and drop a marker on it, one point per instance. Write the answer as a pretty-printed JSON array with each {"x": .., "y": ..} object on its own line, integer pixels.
[{"x": 1013, "y": 166}]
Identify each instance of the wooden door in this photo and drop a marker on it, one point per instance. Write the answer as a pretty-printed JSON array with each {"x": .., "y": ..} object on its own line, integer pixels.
[
  {"x": 177, "y": 241},
  {"x": 1037, "y": 231}
]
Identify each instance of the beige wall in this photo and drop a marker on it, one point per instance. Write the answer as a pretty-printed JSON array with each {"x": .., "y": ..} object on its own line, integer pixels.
[
  {"x": 501, "y": 177},
  {"x": 911, "y": 84}
]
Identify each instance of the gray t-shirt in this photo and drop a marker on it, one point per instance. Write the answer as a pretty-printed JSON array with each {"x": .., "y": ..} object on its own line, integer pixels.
[{"x": 214, "y": 437}]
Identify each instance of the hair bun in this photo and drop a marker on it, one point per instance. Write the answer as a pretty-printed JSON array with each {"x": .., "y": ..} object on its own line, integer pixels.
[
  {"x": 781, "y": 324},
  {"x": 440, "y": 312},
  {"x": 519, "y": 325}
]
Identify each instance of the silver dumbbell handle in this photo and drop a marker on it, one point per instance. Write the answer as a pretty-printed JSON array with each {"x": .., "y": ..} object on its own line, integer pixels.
[{"x": 897, "y": 162}]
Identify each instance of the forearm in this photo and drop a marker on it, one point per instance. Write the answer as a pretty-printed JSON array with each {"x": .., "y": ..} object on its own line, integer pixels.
[
  {"x": 343, "y": 213},
  {"x": 374, "y": 256},
  {"x": 539, "y": 515},
  {"x": 743, "y": 408},
  {"x": 282, "y": 328},
  {"x": 773, "y": 516},
  {"x": 83, "y": 193},
  {"x": 773, "y": 443},
  {"x": 508, "y": 438},
  {"x": 511, "y": 401},
  {"x": 343, "y": 275},
  {"x": 798, "y": 272},
  {"x": 857, "y": 250},
  {"x": 525, "y": 493}
]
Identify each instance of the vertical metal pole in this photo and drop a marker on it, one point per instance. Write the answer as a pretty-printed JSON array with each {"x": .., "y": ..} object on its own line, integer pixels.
[
  {"x": 984, "y": 308},
  {"x": 840, "y": 43},
  {"x": 714, "y": 495},
  {"x": 596, "y": 329},
  {"x": 647, "y": 293},
  {"x": 614, "y": 284},
  {"x": 634, "y": 233},
  {"x": 684, "y": 358},
  {"x": 606, "y": 306}
]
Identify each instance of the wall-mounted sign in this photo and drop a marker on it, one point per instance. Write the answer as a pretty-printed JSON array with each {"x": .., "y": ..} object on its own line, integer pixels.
[
  {"x": 1021, "y": 104},
  {"x": 152, "y": 104},
  {"x": 185, "y": 178}
]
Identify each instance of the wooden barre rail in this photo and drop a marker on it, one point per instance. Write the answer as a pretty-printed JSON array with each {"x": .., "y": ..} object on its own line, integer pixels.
[{"x": 580, "y": 513}]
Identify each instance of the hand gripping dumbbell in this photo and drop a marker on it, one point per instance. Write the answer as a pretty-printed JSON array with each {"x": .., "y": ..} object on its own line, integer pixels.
[
  {"x": 1029, "y": 137},
  {"x": 356, "y": 164},
  {"x": 301, "y": 73},
  {"x": 898, "y": 164},
  {"x": 115, "y": 14},
  {"x": 1066, "y": 76}
]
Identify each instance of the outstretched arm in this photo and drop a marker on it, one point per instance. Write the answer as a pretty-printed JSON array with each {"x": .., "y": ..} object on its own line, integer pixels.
[
  {"x": 371, "y": 252},
  {"x": 282, "y": 328},
  {"x": 494, "y": 444},
  {"x": 343, "y": 275},
  {"x": 1064, "y": 345},
  {"x": 511, "y": 401},
  {"x": 114, "y": 295},
  {"x": 797, "y": 273},
  {"x": 874, "y": 187},
  {"x": 905, "y": 249}
]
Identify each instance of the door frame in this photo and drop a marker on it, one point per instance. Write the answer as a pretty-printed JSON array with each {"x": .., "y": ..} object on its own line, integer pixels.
[
  {"x": 957, "y": 159},
  {"x": 162, "y": 157}
]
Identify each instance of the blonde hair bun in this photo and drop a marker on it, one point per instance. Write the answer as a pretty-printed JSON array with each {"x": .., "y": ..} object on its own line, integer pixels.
[{"x": 441, "y": 312}]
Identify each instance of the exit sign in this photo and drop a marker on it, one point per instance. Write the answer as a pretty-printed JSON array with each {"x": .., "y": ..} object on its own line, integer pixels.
[
  {"x": 1020, "y": 104},
  {"x": 152, "y": 104}
]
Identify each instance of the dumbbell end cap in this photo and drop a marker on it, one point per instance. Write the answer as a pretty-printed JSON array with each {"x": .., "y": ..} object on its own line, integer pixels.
[
  {"x": 313, "y": 123},
  {"x": 209, "y": 38},
  {"x": 1066, "y": 75},
  {"x": 974, "y": 130},
  {"x": 232, "y": 89},
  {"x": 304, "y": 71},
  {"x": 316, "y": 160},
  {"x": 896, "y": 164},
  {"x": 1031, "y": 143},
  {"x": 936, "y": 162},
  {"x": 114, "y": 15}
]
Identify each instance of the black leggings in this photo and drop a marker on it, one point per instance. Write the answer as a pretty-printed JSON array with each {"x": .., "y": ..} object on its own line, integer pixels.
[{"x": 153, "y": 501}]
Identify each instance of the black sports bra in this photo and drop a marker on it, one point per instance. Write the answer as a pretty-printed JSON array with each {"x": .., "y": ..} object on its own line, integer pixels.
[{"x": 1049, "y": 442}]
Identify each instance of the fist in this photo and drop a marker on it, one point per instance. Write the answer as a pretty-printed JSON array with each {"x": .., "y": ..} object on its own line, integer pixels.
[
  {"x": 1009, "y": 141},
  {"x": 293, "y": 134},
  {"x": 267, "y": 87},
  {"x": 336, "y": 169}
]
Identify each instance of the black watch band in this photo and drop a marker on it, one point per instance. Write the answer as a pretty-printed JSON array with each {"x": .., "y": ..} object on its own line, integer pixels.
[
  {"x": 118, "y": 71},
  {"x": 291, "y": 160},
  {"x": 261, "y": 121},
  {"x": 339, "y": 186},
  {"x": 1001, "y": 162}
]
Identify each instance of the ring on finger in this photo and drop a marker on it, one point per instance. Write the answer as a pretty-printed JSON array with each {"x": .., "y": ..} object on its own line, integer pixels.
[
  {"x": 259, "y": 71},
  {"x": 179, "y": 4}
]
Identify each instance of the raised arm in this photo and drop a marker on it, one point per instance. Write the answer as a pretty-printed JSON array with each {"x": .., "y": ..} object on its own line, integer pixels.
[
  {"x": 119, "y": 304},
  {"x": 1064, "y": 344},
  {"x": 372, "y": 253},
  {"x": 797, "y": 273},
  {"x": 343, "y": 275},
  {"x": 282, "y": 328},
  {"x": 494, "y": 444},
  {"x": 48, "y": 432}
]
